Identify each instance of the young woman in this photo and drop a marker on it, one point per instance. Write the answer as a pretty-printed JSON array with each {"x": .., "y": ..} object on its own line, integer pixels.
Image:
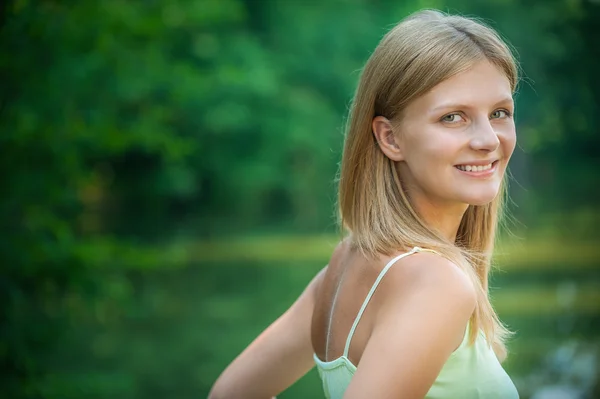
[{"x": 402, "y": 309}]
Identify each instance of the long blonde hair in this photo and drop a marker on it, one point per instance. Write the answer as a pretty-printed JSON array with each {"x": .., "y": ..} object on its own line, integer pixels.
[{"x": 423, "y": 50}]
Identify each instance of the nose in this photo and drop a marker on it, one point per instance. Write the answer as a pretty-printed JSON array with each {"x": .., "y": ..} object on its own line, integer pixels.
[{"x": 484, "y": 137}]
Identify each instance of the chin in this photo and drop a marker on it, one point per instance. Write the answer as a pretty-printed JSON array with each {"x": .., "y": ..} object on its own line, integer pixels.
[
  {"x": 480, "y": 195},
  {"x": 480, "y": 202},
  {"x": 483, "y": 199}
]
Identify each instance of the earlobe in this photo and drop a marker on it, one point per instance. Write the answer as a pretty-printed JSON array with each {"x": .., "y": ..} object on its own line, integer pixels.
[{"x": 388, "y": 142}]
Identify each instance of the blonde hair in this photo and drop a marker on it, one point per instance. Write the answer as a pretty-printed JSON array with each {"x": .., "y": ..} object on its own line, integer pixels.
[{"x": 423, "y": 50}]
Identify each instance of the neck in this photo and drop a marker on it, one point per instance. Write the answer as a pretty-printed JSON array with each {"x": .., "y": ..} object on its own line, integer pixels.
[{"x": 444, "y": 218}]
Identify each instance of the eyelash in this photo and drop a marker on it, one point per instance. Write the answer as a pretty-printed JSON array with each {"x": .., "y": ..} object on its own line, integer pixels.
[{"x": 507, "y": 112}]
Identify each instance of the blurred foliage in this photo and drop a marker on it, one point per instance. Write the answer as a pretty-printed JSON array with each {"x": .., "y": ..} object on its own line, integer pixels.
[{"x": 128, "y": 125}]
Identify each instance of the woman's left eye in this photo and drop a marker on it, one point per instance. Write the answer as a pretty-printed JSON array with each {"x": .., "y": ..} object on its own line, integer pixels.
[{"x": 500, "y": 113}]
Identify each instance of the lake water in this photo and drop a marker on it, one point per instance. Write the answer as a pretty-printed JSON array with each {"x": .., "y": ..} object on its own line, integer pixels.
[{"x": 179, "y": 328}]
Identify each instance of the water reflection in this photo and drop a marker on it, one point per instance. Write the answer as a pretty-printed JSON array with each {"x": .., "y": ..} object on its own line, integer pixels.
[
  {"x": 184, "y": 325},
  {"x": 569, "y": 372}
]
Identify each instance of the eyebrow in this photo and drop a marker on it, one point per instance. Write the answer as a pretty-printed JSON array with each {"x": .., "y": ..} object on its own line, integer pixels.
[{"x": 458, "y": 105}]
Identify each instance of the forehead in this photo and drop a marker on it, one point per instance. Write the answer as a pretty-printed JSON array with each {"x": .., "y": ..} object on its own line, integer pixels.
[{"x": 482, "y": 84}]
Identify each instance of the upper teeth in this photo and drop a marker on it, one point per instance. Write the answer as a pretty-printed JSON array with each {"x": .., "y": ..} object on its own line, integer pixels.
[{"x": 474, "y": 168}]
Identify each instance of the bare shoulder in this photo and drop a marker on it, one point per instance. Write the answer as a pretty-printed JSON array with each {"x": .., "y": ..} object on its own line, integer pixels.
[
  {"x": 423, "y": 306},
  {"x": 429, "y": 276}
]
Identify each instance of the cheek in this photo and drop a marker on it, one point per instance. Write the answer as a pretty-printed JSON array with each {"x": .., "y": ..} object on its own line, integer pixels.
[
  {"x": 509, "y": 141},
  {"x": 445, "y": 149},
  {"x": 429, "y": 151},
  {"x": 430, "y": 161},
  {"x": 436, "y": 143}
]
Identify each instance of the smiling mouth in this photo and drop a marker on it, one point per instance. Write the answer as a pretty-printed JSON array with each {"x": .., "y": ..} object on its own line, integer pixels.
[{"x": 477, "y": 168}]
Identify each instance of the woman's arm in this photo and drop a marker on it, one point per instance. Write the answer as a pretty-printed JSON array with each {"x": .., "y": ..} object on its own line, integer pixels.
[
  {"x": 423, "y": 309},
  {"x": 276, "y": 358}
]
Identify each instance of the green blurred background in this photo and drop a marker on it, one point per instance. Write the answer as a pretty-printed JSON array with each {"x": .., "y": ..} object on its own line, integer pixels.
[{"x": 167, "y": 185}]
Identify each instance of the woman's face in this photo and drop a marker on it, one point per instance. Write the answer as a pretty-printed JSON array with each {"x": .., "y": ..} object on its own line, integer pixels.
[{"x": 457, "y": 139}]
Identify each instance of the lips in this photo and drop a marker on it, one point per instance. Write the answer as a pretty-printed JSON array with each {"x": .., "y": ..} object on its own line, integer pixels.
[
  {"x": 478, "y": 169},
  {"x": 476, "y": 166}
]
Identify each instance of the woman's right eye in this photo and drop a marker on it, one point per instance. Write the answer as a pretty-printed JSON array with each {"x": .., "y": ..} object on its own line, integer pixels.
[{"x": 452, "y": 118}]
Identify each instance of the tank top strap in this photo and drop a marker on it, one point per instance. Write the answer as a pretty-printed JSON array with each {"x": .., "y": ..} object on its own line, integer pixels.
[
  {"x": 374, "y": 287},
  {"x": 418, "y": 249}
]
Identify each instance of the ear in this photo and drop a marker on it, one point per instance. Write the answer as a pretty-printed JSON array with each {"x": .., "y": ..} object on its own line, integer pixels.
[{"x": 389, "y": 144}]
